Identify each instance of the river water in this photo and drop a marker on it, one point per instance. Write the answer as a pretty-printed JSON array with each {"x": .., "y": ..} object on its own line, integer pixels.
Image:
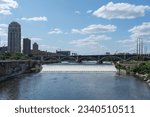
[{"x": 79, "y": 82}]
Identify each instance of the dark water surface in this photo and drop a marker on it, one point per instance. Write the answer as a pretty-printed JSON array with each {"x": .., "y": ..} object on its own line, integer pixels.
[{"x": 78, "y": 86}]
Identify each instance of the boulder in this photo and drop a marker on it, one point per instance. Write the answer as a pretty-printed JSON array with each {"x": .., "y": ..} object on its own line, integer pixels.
[
  {"x": 145, "y": 79},
  {"x": 149, "y": 84},
  {"x": 148, "y": 81}
]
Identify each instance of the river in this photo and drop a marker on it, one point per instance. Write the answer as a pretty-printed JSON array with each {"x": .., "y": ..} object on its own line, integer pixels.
[{"x": 75, "y": 82}]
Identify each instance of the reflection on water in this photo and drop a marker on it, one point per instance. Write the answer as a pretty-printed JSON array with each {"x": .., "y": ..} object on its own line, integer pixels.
[{"x": 74, "y": 85}]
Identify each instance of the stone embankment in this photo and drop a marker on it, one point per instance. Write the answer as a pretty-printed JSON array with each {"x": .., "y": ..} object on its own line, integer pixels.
[
  {"x": 12, "y": 68},
  {"x": 143, "y": 77}
]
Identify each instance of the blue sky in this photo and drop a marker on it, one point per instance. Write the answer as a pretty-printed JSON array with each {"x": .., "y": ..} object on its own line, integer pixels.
[{"x": 82, "y": 26}]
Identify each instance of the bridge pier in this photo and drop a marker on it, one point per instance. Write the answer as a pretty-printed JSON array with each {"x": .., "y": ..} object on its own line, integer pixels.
[
  {"x": 42, "y": 58},
  {"x": 99, "y": 62},
  {"x": 77, "y": 59}
]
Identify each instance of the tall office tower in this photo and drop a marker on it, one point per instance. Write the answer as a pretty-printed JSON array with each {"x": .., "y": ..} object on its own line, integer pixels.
[
  {"x": 14, "y": 37},
  {"x": 35, "y": 47},
  {"x": 26, "y": 46}
]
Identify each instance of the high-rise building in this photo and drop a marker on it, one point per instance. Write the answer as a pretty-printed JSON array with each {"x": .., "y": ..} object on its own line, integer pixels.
[
  {"x": 26, "y": 46},
  {"x": 35, "y": 47},
  {"x": 14, "y": 37}
]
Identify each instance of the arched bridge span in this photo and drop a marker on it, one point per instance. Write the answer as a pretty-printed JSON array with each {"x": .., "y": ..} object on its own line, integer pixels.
[{"x": 98, "y": 58}]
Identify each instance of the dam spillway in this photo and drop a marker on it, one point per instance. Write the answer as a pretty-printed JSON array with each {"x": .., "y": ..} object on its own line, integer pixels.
[{"x": 78, "y": 68}]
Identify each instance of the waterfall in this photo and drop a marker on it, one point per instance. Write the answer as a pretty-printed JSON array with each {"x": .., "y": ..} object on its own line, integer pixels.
[{"x": 78, "y": 68}]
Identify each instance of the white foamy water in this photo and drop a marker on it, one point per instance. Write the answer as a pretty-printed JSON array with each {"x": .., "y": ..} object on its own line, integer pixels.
[{"x": 78, "y": 68}]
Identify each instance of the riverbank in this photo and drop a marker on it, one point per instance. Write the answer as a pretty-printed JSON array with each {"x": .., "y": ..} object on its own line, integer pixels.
[
  {"x": 13, "y": 68},
  {"x": 140, "y": 70}
]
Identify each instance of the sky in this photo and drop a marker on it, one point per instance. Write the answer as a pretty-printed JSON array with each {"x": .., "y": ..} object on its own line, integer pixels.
[{"x": 81, "y": 26}]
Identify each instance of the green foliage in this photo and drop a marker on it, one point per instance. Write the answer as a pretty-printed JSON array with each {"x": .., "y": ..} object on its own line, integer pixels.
[
  {"x": 148, "y": 76},
  {"x": 119, "y": 66},
  {"x": 13, "y": 56},
  {"x": 142, "y": 68}
]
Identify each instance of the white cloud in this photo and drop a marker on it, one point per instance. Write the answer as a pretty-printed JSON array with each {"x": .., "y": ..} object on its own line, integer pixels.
[
  {"x": 91, "y": 40},
  {"x": 3, "y": 30},
  {"x": 126, "y": 41},
  {"x": 36, "y": 39},
  {"x": 7, "y": 5},
  {"x": 4, "y": 25},
  {"x": 42, "y": 18},
  {"x": 95, "y": 29},
  {"x": 141, "y": 31},
  {"x": 55, "y": 31},
  {"x": 3, "y": 34},
  {"x": 89, "y": 11},
  {"x": 44, "y": 47},
  {"x": 77, "y": 12},
  {"x": 99, "y": 49},
  {"x": 3, "y": 42},
  {"x": 121, "y": 11},
  {"x": 49, "y": 48}
]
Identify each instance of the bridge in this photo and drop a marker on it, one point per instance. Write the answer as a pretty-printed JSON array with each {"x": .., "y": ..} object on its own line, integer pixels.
[{"x": 97, "y": 58}]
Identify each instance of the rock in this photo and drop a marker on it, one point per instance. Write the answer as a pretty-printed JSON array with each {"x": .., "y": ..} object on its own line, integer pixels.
[
  {"x": 142, "y": 76},
  {"x": 148, "y": 81},
  {"x": 145, "y": 79},
  {"x": 146, "y": 75},
  {"x": 137, "y": 74},
  {"x": 149, "y": 84}
]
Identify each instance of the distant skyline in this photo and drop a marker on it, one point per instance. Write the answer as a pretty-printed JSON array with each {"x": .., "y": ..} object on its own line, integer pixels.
[{"x": 81, "y": 26}]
